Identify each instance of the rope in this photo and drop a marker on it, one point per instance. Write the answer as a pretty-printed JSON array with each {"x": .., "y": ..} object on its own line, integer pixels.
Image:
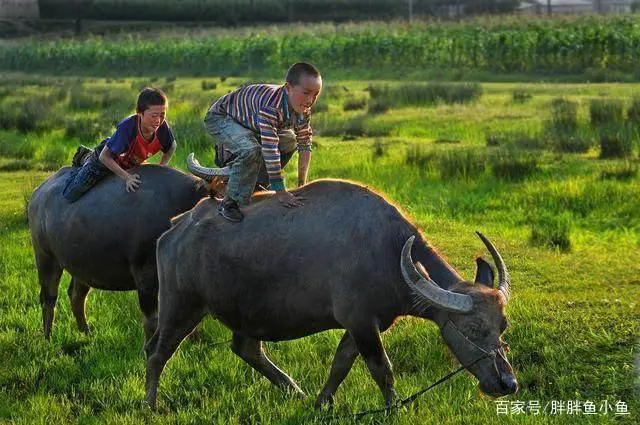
[{"x": 406, "y": 400}]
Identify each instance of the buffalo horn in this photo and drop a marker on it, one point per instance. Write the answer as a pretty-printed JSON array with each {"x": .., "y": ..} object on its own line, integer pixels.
[
  {"x": 203, "y": 172},
  {"x": 504, "y": 281},
  {"x": 426, "y": 288}
]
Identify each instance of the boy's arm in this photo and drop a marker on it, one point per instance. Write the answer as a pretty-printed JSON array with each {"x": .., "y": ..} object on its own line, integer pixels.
[
  {"x": 166, "y": 156},
  {"x": 267, "y": 120},
  {"x": 304, "y": 159},
  {"x": 132, "y": 181},
  {"x": 303, "y": 138}
]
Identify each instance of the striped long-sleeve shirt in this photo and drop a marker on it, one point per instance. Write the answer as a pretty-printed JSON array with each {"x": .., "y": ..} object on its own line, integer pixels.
[{"x": 264, "y": 108}]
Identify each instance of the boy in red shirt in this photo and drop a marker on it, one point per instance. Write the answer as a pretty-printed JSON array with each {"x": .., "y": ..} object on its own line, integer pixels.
[{"x": 136, "y": 138}]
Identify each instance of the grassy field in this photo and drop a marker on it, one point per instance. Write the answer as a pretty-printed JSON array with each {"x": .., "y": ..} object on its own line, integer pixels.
[{"x": 511, "y": 160}]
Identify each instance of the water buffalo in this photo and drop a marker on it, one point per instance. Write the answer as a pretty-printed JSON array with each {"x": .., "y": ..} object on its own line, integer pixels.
[
  {"x": 342, "y": 261},
  {"x": 106, "y": 240}
]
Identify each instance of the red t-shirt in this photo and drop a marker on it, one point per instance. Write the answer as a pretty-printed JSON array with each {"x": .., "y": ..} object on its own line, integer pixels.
[
  {"x": 130, "y": 148},
  {"x": 139, "y": 150}
]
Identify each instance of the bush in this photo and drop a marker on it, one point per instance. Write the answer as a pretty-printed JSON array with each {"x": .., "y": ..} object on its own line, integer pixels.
[
  {"x": 605, "y": 112},
  {"x": 416, "y": 94},
  {"x": 53, "y": 156},
  {"x": 16, "y": 147},
  {"x": 351, "y": 127},
  {"x": 570, "y": 143},
  {"x": 320, "y": 106},
  {"x": 460, "y": 163},
  {"x": 633, "y": 113},
  {"x": 15, "y": 165},
  {"x": 354, "y": 104},
  {"x": 379, "y": 149},
  {"x": 27, "y": 115},
  {"x": 378, "y": 106},
  {"x": 335, "y": 92},
  {"x": 515, "y": 139},
  {"x": 562, "y": 131},
  {"x": 521, "y": 96},
  {"x": 621, "y": 172},
  {"x": 564, "y": 116},
  {"x": 139, "y": 85},
  {"x": 512, "y": 165},
  {"x": 465, "y": 163},
  {"x": 495, "y": 139},
  {"x": 206, "y": 85},
  {"x": 82, "y": 98},
  {"x": 167, "y": 87},
  {"x": 419, "y": 157},
  {"x": 88, "y": 129},
  {"x": 355, "y": 127},
  {"x": 616, "y": 141},
  {"x": 188, "y": 128},
  {"x": 551, "y": 231}
]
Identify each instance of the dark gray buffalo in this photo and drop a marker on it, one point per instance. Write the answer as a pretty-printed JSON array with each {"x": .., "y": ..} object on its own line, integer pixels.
[
  {"x": 343, "y": 260},
  {"x": 106, "y": 240}
]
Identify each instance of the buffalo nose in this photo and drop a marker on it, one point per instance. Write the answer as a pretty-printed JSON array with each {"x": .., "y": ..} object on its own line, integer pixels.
[{"x": 509, "y": 383}]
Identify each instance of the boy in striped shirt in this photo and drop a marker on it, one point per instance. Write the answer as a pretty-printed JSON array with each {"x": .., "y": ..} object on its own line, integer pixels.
[{"x": 258, "y": 127}]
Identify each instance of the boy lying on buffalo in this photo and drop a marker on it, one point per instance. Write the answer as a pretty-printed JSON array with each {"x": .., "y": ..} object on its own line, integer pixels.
[{"x": 136, "y": 138}]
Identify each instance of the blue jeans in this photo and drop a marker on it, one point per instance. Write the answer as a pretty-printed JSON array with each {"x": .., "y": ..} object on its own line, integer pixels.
[
  {"x": 240, "y": 148},
  {"x": 84, "y": 178}
]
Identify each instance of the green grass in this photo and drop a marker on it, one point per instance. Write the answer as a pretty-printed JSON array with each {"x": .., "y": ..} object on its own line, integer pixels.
[
  {"x": 574, "y": 315},
  {"x": 595, "y": 49}
]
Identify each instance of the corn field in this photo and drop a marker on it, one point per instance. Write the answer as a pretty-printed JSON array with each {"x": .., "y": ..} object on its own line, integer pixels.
[{"x": 553, "y": 46}]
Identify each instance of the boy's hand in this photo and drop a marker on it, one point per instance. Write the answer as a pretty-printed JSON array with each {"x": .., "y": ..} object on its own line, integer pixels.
[
  {"x": 289, "y": 200},
  {"x": 132, "y": 182}
]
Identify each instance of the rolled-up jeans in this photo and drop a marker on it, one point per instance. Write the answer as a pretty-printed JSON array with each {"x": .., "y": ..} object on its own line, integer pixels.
[
  {"x": 242, "y": 148},
  {"x": 82, "y": 179}
]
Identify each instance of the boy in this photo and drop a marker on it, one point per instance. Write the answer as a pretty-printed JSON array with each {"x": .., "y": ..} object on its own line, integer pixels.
[
  {"x": 247, "y": 125},
  {"x": 136, "y": 138}
]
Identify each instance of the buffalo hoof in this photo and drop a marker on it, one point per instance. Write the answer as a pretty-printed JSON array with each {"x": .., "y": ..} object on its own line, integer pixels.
[
  {"x": 391, "y": 400},
  {"x": 324, "y": 401},
  {"x": 151, "y": 405}
]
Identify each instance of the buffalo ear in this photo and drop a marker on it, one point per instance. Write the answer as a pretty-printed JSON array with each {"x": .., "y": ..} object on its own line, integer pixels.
[{"x": 484, "y": 273}]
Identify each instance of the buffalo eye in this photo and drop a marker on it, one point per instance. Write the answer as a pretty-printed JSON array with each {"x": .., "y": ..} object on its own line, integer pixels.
[{"x": 477, "y": 329}]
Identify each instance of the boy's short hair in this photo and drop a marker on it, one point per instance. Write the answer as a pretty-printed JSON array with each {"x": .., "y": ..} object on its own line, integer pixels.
[
  {"x": 297, "y": 70},
  {"x": 150, "y": 97}
]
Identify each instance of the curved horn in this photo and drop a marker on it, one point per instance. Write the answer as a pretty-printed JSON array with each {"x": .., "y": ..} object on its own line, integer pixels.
[
  {"x": 504, "y": 280},
  {"x": 427, "y": 288},
  {"x": 203, "y": 172}
]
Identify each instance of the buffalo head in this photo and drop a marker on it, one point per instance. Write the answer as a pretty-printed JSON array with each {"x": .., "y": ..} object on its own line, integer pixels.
[{"x": 471, "y": 318}]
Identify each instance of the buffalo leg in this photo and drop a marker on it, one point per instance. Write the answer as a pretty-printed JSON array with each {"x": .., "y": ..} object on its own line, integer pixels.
[
  {"x": 174, "y": 324},
  {"x": 148, "y": 301},
  {"x": 49, "y": 272},
  {"x": 250, "y": 350},
  {"x": 346, "y": 354},
  {"x": 78, "y": 292},
  {"x": 146, "y": 279},
  {"x": 370, "y": 347}
]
